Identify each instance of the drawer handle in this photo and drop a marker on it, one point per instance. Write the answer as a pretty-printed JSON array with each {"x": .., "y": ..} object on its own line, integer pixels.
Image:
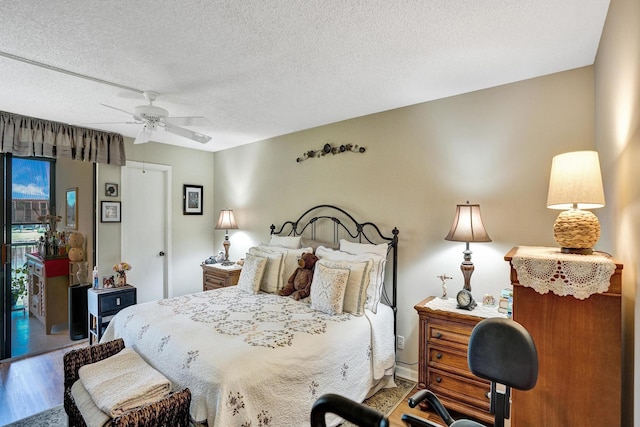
[
  {"x": 438, "y": 335},
  {"x": 439, "y": 356},
  {"x": 438, "y": 379}
]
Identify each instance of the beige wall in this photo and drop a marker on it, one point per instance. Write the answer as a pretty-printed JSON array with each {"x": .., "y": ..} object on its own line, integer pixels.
[
  {"x": 191, "y": 235},
  {"x": 493, "y": 147},
  {"x": 617, "y": 124},
  {"x": 75, "y": 174}
]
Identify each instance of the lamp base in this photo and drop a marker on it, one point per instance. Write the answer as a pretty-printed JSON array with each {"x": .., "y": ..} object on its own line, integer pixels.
[
  {"x": 576, "y": 229},
  {"x": 227, "y": 263},
  {"x": 578, "y": 251}
]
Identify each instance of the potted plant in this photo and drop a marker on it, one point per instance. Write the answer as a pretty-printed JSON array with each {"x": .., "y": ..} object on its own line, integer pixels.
[{"x": 19, "y": 283}]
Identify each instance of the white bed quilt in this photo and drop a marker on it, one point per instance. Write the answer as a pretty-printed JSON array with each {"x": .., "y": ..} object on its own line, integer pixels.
[{"x": 257, "y": 360}]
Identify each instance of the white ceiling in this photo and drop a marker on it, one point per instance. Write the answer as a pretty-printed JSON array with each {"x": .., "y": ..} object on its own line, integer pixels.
[{"x": 261, "y": 68}]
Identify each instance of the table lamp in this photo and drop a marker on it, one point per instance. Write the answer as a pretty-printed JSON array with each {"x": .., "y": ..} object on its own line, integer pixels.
[
  {"x": 576, "y": 184},
  {"x": 226, "y": 222},
  {"x": 467, "y": 227}
]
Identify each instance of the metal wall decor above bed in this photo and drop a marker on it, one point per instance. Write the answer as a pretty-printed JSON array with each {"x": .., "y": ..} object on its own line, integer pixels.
[{"x": 344, "y": 225}]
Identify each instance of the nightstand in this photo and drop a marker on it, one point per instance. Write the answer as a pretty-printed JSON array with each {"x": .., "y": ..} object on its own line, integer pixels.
[
  {"x": 444, "y": 333},
  {"x": 103, "y": 304},
  {"x": 216, "y": 276}
]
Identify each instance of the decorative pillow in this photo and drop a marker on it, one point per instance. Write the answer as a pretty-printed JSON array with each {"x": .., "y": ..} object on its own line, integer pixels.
[
  {"x": 363, "y": 248},
  {"x": 251, "y": 274},
  {"x": 272, "y": 278},
  {"x": 356, "y": 293},
  {"x": 328, "y": 288},
  {"x": 376, "y": 276},
  {"x": 291, "y": 257},
  {"x": 292, "y": 242}
]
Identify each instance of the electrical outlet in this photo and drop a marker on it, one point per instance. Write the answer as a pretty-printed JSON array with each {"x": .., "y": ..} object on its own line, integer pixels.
[{"x": 400, "y": 342}]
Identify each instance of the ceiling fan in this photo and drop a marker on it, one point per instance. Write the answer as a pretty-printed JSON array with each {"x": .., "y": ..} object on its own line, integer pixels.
[{"x": 152, "y": 117}]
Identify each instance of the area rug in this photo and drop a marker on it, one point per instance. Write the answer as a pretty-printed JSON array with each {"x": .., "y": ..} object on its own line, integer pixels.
[{"x": 385, "y": 401}]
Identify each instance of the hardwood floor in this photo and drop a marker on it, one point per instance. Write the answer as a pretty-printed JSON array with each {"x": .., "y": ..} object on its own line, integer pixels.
[{"x": 34, "y": 384}]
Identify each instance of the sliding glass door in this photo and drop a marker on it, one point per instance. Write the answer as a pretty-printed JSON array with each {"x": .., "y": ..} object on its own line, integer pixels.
[{"x": 28, "y": 188}]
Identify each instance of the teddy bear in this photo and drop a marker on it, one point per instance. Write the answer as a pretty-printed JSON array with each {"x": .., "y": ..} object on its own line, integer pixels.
[{"x": 299, "y": 284}]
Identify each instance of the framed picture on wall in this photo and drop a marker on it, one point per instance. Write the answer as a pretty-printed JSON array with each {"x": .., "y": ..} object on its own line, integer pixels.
[
  {"x": 111, "y": 190},
  {"x": 110, "y": 212},
  {"x": 192, "y": 199},
  {"x": 71, "y": 201}
]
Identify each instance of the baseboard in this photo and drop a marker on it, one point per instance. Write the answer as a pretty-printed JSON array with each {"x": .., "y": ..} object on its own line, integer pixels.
[{"x": 407, "y": 373}]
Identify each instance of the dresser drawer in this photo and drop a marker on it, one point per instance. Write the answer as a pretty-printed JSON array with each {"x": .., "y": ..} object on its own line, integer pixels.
[
  {"x": 474, "y": 392},
  {"x": 116, "y": 301}
]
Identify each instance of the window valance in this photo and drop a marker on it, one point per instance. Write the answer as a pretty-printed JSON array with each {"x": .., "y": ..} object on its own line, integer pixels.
[{"x": 29, "y": 136}]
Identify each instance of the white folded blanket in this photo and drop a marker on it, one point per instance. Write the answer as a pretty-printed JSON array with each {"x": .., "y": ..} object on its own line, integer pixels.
[{"x": 123, "y": 382}]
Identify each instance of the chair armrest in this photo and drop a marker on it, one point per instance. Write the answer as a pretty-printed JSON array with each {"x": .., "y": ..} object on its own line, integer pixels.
[
  {"x": 413, "y": 421},
  {"x": 173, "y": 410},
  {"x": 346, "y": 408},
  {"x": 437, "y": 406},
  {"x": 74, "y": 359}
]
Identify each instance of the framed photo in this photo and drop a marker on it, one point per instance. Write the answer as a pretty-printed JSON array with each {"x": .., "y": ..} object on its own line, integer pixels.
[
  {"x": 192, "y": 199},
  {"x": 110, "y": 212},
  {"x": 111, "y": 190},
  {"x": 71, "y": 201}
]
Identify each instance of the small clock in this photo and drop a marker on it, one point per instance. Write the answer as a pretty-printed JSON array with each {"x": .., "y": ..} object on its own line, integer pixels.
[{"x": 465, "y": 300}]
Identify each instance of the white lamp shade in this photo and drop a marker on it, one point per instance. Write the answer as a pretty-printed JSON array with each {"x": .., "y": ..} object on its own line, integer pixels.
[
  {"x": 226, "y": 221},
  {"x": 467, "y": 225},
  {"x": 576, "y": 181}
]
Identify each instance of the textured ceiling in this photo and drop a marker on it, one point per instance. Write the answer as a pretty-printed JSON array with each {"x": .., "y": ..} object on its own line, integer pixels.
[{"x": 261, "y": 68}]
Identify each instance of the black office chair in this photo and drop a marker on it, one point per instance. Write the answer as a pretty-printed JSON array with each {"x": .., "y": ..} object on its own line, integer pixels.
[
  {"x": 346, "y": 408},
  {"x": 501, "y": 351}
]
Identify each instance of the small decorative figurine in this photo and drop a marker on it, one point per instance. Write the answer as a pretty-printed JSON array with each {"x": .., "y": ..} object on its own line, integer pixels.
[{"x": 444, "y": 279}]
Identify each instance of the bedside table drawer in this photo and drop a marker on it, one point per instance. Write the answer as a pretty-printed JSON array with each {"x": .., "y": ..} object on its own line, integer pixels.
[
  {"x": 449, "y": 333},
  {"x": 214, "y": 281},
  {"x": 116, "y": 301},
  {"x": 445, "y": 358},
  {"x": 472, "y": 392}
]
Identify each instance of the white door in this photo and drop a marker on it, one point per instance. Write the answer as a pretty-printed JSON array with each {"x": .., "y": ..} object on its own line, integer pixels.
[{"x": 146, "y": 192}]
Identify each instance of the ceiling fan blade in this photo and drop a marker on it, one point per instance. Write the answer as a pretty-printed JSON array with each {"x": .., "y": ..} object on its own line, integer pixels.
[
  {"x": 188, "y": 121},
  {"x": 111, "y": 123},
  {"x": 186, "y": 133},
  {"x": 144, "y": 136},
  {"x": 116, "y": 108}
]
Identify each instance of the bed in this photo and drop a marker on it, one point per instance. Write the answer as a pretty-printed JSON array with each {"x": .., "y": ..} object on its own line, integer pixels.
[{"x": 252, "y": 357}]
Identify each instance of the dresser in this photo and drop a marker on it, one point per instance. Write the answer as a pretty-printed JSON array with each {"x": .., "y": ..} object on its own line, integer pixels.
[
  {"x": 103, "y": 304},
  {"x": 48, "y": 290},
  {"x": 215, "y": 276},
  {"x": 579, "y": 344},
  {"x": 444, "y": 333}
]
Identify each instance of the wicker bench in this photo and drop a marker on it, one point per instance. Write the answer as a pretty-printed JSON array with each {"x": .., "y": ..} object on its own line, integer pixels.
[{"x": 173, "y": 410}]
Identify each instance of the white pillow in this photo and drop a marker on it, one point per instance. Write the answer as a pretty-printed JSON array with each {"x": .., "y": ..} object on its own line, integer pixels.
[
  {"x": 356, "y": 293},
  {"x": 292, "y": 242},
  {"x": 328, "y": 288},
  {"x": 252, "y": 273},
  {"x": 272, "y": 280},
  {"x": 291, "y": 257},
  {"x": 363, "y": 248},
  {"x": 376, "y": 276},
  {"x": 315, "y": 243}
]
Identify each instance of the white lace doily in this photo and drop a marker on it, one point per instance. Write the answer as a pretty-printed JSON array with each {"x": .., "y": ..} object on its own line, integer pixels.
[
  {"x": 548, "y": 269},
  {"x": 450, "y": 304}
]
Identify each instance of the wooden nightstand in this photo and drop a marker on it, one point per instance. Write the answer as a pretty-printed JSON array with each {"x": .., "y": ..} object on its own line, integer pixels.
[
  {"x": 217, "y": 276},
  {"x": 442, "y": 367},
  {"x": 103, "y": 304}
]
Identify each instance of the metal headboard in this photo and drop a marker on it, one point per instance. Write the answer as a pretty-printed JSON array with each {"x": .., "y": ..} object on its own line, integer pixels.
[{"x": 365, "y": 232}]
